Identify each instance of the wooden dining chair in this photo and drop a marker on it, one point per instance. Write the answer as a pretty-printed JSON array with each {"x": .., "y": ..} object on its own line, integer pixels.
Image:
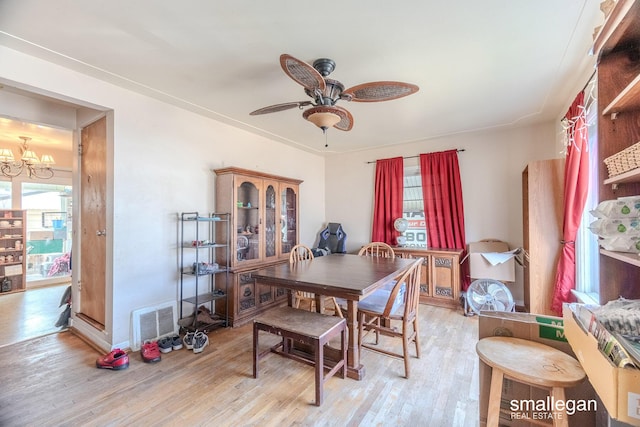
[
  {"x": 303, "y": 253},
  {"x": 379, "y": 249},
  {"x": 381, "y": 312},
  {"x": 373, "y": 249}
]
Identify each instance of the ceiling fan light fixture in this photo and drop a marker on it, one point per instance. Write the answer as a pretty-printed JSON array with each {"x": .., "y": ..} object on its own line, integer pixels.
[{"x": 322, "y": 116}]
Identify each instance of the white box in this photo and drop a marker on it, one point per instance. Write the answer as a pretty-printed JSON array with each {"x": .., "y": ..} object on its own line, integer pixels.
[{"x": 480, "y": 268}]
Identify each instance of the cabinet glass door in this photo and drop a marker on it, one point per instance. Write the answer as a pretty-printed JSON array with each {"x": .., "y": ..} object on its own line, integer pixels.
[
  {"x": 247, "y": 222},
  {"x": 269, "y": 229},
  {"x": 289, "y": 219}
]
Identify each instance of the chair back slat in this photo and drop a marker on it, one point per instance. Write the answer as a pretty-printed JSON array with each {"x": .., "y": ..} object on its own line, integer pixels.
[
  {"x": 300, "y": 253},
  {"x": 377, "y": 249},
  {"x": 410, "y": 280}
]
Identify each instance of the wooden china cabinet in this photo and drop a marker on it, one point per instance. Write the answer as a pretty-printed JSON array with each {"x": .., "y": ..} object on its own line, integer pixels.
[{"x": 264, "y": 224}]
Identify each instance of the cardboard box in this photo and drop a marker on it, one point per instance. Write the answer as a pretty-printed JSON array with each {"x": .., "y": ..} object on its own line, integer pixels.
[
  {"x": 618, "y": 388},
  {"x": 547, "y": 330},
  {"x": 480, "y": 268}
]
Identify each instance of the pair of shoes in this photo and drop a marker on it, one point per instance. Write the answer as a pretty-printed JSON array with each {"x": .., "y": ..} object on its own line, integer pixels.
[
  {"x": 200, "y": 341},
  {"x": 150, "y": 352},
  {"x": 168, "y": 344},
  {"x": 188, "y": 340},
  {"x": 176, "y": 342},
  {"x": 115, "y": 360}
]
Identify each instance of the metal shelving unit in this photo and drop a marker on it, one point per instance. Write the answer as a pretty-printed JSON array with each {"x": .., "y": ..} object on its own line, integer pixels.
[{"x": 198, "y": 269}]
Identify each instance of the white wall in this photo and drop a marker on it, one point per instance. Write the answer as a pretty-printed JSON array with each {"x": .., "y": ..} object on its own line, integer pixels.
[
  {"x": 490, "y": 170},
  {"x": 162, "y": 159}
]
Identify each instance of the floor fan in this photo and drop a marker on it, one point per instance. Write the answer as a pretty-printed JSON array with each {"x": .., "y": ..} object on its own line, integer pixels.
[{"x": 487, "y": 295}]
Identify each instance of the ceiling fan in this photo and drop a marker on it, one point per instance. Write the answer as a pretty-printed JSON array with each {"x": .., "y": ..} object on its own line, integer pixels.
[{"x": 325, "y": 92}]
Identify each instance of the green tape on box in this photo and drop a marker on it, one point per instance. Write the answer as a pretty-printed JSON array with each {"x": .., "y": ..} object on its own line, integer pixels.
[{"x": 555, "y": 330}]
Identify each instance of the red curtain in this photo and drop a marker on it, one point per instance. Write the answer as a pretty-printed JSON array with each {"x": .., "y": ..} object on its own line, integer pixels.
[
  {"x": 576, "y": 182},
  {"x": 443, "y": 207},
  {"x": 389, "y": 194}
]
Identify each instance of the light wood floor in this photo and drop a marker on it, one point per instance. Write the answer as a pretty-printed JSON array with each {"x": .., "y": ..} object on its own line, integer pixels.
[
  {"x": 30, "y": 314},
  {"x": 52, "y": 381}
]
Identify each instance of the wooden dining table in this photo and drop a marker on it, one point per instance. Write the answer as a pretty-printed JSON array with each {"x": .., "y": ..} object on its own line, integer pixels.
[{"x": 350, "y": 277}]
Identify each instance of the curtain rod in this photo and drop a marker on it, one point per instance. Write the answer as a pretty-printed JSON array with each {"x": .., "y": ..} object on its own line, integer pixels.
[
  {"x": 586, "y": 85},
  {"x": 413, "y": 157},
  {"x": 589, "y": 81}
]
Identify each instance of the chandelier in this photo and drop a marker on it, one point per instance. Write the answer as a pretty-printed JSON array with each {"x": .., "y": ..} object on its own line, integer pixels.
[{"x": 29, "y": 162}]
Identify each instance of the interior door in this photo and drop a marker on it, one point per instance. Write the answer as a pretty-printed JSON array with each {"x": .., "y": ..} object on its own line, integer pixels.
[{"x": 93, "y": 248}]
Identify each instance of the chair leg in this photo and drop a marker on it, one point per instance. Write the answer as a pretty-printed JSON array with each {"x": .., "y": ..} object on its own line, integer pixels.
[
  {"x": 405, "y": 348},
  {"x": 417, "y": 337}
]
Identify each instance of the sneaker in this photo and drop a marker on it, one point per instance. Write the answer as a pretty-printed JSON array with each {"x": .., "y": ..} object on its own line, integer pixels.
[
  {"x": 165, "y": 344},
  {"x": 150, "y": 352},
  {"x": 115, "y": 360},
  {"x": 176, "y": 342},
  {"x": 188, "y": 340},
  {"x": 200, "y": 341}
]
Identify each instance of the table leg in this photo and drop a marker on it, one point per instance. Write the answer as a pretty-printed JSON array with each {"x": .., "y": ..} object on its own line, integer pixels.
[
  {"x": 355, "y": 369},
  {"x": 319, "y": 303}
]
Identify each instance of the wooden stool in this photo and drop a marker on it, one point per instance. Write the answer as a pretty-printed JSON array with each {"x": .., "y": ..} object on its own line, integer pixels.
[
  {"x": 306, "y": 327},
  {"x": 530, "y": 363}
]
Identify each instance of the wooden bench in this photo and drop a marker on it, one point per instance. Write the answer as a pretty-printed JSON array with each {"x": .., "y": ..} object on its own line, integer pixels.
[{"x": 309, "y": 328}]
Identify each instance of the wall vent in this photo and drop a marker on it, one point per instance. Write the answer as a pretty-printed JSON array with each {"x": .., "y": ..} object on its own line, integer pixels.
[{"x": 151, "y": 323}]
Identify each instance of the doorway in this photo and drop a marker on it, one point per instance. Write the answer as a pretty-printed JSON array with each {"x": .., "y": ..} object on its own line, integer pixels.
[
  {"x": 54, "y": 122},
  {"x": 47, "y": 203}
]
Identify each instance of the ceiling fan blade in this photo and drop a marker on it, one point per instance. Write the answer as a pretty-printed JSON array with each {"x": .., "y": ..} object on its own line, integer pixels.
[
  {"x": 280, "y": 107},
  {"x": 302, "y": 73},
  {"x": 379, "y": 91},
  {"x": 346, "y": 119}
]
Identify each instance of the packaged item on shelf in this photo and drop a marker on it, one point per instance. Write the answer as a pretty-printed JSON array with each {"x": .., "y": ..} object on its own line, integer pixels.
[
  {"x": 623, "y": 207},
  {"x": 606, "y": 227},
  {"x": 621, "y": 316},
  {"x": 621, "y": 244},
  {"x": 204, "y": 268}
]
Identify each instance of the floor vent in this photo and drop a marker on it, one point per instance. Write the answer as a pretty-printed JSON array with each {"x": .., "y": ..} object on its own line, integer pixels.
[{"x": 151, "y": 323}]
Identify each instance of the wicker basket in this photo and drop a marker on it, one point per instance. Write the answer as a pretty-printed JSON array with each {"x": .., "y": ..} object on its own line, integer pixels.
[{"x": 623, "y": 161}]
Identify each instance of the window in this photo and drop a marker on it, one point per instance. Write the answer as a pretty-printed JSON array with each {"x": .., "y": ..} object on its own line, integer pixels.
[
  {"x": 587, "y": 252},
  {"x": 49, "y": 208},
  {"x": 5, "y": 194},
  {"x": 413, "y": 208}
]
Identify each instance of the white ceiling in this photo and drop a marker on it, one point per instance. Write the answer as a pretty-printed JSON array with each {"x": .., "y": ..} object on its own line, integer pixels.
[{"x": 479, "y": 64}]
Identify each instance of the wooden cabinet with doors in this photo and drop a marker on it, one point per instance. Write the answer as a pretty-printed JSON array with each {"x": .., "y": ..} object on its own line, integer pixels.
[
  {"x": 617, "y": 47},
  {"x": 264, "y": 224},
  {"x": 12, "y": 251},
  {"x": 440, "y": 275}
]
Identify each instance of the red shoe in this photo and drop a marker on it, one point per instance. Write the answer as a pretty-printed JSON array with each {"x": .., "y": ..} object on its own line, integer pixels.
[
  {"x": 115, "y": 360},
  {"x": 150, "y": 352}
]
